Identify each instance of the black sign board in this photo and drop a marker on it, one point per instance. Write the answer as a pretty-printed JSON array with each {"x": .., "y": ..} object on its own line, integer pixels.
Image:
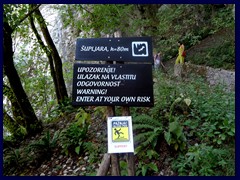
[
  {"x": 137, "y": 49},
  {"x": 112, "y": 85}
]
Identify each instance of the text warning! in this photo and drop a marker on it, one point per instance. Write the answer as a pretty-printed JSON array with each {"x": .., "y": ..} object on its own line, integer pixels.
[{"x": 115, "y": 84}]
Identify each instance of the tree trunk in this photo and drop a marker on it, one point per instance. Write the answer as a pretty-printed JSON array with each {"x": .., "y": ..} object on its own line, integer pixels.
[
  {"x": 33, "y": 125},
  {"x": 16, "y": 110},
  {"x": 50, "y": 59},
  {"x": 115, "y": 165},
  {"x": 178, "y": 70},
  {"x": 9, "y": 123},
  {"x": 55, "y": 56}
]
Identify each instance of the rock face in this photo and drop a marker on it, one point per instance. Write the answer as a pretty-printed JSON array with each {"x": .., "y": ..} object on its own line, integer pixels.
[
  {"x": 179, "y": 70},
  {"x": 216, "y": 76},
  {"x": 213, "y": 76},
  {"x": 64, "y": 39}
]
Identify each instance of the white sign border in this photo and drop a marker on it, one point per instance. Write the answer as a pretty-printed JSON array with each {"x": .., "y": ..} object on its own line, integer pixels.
[{"x": 120, "y": 147}]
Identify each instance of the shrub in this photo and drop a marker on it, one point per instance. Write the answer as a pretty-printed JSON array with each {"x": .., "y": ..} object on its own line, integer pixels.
[
  {"x": 72, "y": 138},
  {"x": 147, "y": 131},
  {"x": 45, "y": 146},
  {"x": 203, "y": 160}
]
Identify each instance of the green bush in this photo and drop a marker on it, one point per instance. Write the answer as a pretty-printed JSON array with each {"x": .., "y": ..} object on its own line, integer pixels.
[
  {"x": 144, "y": 168},
  {"x": 178, "y": 22},
  {"x": 222, "y": 55},
  {"x": 14, "y": 159},
  {"x": 72, "y": 138},
  {"x": 45, "y": 146},
  {"x": 190, "y": 112},
  {"x": 147, "y": 131},
  {"x": 203, "y": 160}
]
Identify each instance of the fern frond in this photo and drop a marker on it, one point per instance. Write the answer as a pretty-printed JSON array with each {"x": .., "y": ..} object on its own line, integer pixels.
[
  {"x": 146, "y": 119},
  {"x": 143, "y": 126},
  {"x": 142, "y": 136},
  {"x": 148, "y": 130},
  {"x": 150, "y": 139}
]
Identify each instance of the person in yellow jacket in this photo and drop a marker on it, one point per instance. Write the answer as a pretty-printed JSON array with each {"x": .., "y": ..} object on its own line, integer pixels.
[{"x": 180, "y": 58}]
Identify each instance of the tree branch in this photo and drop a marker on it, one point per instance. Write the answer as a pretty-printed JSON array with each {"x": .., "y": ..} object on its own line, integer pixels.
[
  {"x": 86, "y": 10},
  {"x": 25, "y": 17}
]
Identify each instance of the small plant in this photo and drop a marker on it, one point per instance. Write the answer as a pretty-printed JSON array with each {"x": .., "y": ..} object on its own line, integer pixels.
[
  {"x": 149, "y": 154},
  {"x": 181, "y": 103},
  {"x": 204, "y": 160},
  {"x": 45, "y": 146},
  {"x": 146, "y": 162},
  {"x": 175, "y": 136},
  {"x": 13, "y": 160},
  {"x": 123, "y": 168},
  {"x": 72, "y": 138},
  {"x": 60, "y": 109},
  {"x": 219, "y": 132},
  {"x": 143, "y": 168},
  {"x": 148, "y": 131},
  {"x": 100, "y": 112},
  {"x": 93, "y": 150}
]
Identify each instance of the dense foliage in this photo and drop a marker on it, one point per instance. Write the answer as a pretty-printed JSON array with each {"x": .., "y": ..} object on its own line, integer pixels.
[
  {"x": 182, "y": 117},
  {"x": 202, "y": 136},
  {"x": 178, "y": 22},
  {"x": 167, "y": 24}
]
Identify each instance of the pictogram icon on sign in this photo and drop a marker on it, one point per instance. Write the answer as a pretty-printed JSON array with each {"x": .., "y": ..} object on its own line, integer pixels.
[
  {"x": 120, "y": 131},
  {"x": 140, "y": 48}
]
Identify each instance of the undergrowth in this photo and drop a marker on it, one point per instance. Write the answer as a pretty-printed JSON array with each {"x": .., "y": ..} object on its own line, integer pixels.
[{"x": 198, "y": 123}]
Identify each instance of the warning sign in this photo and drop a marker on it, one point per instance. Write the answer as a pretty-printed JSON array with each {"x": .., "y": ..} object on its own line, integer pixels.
[
  {"x": 112, "y": 85},
  {"x": 120, "y": 131},
  {"x": 120, "y": 136}
]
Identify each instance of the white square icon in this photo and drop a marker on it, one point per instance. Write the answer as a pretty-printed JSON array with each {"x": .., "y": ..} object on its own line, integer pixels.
[{"x": 140, "y": 49}]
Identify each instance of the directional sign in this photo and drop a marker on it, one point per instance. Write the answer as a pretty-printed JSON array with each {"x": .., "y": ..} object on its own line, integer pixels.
[
  {"x": 137, "y": 49},
  {"x": 113, "y": 84}
]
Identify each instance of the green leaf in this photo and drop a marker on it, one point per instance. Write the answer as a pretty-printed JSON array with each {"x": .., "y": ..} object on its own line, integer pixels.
[
  {"x": 144, "y": 170},
  {"x": 77, "y": 150},
  {"x": 233, "y": 130},
  {"x": 178, "y": 100},
  {"x": 182, "y": 146},
  {"x": 223, "y": 136},
  {"x": 167, "y": 136},
  {"x": 173, "y": 126},
  {"x": 219, "y": 141},
  {"x": 123, "y": 164},
  {"x": 137, "y": 150},
  {"x": 179, "y": 132},
  {"x": 187, "y": 101},
  {"x": 153, "y": 166},
  {"x": 176, "y": 146}
]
